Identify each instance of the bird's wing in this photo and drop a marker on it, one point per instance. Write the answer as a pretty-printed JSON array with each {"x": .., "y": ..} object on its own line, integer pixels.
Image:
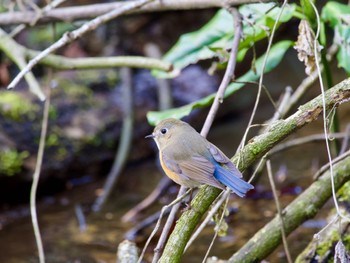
[
  {"x": 170, "y": 164},
  {"x": 220, "y": 157},
  {"x": 199, "y": 169},
  {"x": 174, "y": 172}
]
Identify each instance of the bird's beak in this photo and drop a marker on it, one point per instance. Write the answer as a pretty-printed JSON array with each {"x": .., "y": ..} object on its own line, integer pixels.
[{"x": 150, "y": 136}]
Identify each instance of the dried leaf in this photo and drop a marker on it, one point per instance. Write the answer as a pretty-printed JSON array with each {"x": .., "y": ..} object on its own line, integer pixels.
[{"x": 305, "y": 46}]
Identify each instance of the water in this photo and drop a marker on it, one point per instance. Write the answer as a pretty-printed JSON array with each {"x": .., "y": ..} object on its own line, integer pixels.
[{"x": 65, "y": 242}]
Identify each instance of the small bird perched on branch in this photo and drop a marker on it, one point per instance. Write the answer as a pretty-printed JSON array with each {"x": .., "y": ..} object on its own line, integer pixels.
[{"x": 191, "y": 160}]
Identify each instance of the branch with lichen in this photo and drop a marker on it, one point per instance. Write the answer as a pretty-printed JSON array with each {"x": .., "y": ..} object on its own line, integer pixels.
[
  {"x": 304, "y": 207},
  {"x": 64, "y": 63},
  {"x": 254, "y": 150}
]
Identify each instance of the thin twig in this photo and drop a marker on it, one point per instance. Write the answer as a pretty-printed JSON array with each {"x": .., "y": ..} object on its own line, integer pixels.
[
  {"x": 262, "y": 76},
  {"x": 331, "y": 222},
  {"x": 220, "y": 199},
  {"x": 300, "y": 141},
  {"x": 140, "y": 226},
  {"x": 251, "y": 152},
  {"x": 16, "y": 51},
  {"x": 164, "y": 102},
  {"x": 36, "y": 176},
  {"x": 326, "y": 167},
  {"x": 279, "y": 211},
  {"x": 164, "y": 236},
  {"x": 217, "y": 229},
  {"x": 38, "y": 14},
  {"x": 73, "y": 35},
  {"x": 124, "y": 142},
  {"x": 82, "y": 12},
  {"x": 345, "y": 142},
  {"x": 284, "y": 102},
  {"x": 164, "y": 209},
  {"x": 258, "y": 169},
  {"x": 164, "y": 89},
  {"x": 229, "y": 73},
  {"x": 80, "y": 217},
  {"x": 307, "y": 83},
  {"x": 9, "y": 47},
  {"x": 64, "y": 63},
  {"x": 324, "y": 111}
]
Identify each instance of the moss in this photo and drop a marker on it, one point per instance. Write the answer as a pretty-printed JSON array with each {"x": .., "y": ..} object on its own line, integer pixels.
[
  {"x": 326, "y": 246},
  {"x": 14, "y": 106},
  {"x": 255, "y": 150},
  {"x": 11, "y": 161},
  {"x": 346, "y": 241},
  {"x": 344, "y": 192}
]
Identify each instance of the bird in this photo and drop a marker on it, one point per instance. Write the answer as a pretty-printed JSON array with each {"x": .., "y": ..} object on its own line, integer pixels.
[{"x": 191, "y": 160}]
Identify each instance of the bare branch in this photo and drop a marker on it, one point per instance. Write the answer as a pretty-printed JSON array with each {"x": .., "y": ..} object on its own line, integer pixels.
[
  {"x": 304, "y": 207},
  {"x": 279, "y": 211},
  {"x": 91, "y": 11},
  {"x": 71, "y": 36}
]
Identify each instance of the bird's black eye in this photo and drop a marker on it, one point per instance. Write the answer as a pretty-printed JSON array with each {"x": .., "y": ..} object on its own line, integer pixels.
[{"x": 163, "y": 131}]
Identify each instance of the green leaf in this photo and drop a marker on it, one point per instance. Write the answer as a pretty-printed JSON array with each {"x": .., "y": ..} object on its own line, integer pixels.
[
  {"x": 335, "y": 13},
  {"x": 275, "y": 56},
  {"x": 338, "y": 16},
  {"x": 218, "y": 34}
]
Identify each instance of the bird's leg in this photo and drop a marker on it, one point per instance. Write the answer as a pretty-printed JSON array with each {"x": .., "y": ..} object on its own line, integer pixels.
[{"x": 188, "y": 204}]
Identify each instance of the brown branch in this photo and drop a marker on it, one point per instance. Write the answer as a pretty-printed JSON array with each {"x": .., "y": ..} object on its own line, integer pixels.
[
  {"x": 229, "y": 73},
  {"x": 91, "y": 11}
]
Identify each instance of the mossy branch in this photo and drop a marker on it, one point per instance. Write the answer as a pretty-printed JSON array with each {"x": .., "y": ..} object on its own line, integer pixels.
[
  {"x": 304, "y": 207},
  {"x": 64, "y": 63},
  {"x": 18, "y": 53},
  {"x": 255, "y": 149}
]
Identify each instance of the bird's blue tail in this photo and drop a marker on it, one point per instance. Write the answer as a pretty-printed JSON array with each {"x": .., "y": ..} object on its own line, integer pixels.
[{"x": 237, "y": 185}]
